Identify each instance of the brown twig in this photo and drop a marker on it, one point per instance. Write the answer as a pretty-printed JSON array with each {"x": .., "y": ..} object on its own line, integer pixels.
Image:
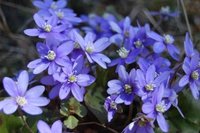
[
  {"x": 24, "y": 121},
  {"x": 186, "y": 19},
  {"x": 96, "y": 123},
  {"x": 151, "y": 19}
]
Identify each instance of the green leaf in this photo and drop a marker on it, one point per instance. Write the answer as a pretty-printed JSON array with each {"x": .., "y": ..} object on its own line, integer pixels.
[
  {"x": 95, "y": 103},
  {"x": 71, "y": 122},
  {"x": 10, "y": 123},
  {"x": 73, "y": 107}
]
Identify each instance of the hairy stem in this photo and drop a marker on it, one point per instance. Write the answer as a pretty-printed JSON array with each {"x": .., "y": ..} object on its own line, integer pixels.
[{"x": 24, "y": 121}]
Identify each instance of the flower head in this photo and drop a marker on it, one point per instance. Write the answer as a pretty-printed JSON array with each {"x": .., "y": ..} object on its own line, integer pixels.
[
  {"x": 52, "y": 56},
  {"x": 46, "y": 28},
  {"x": 73, "y": 80},
  {"x": 29, "y": 101},
  {"x": 92, "y": 49}
]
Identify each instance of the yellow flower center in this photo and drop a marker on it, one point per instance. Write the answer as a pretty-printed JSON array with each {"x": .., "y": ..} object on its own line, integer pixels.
[
  {"x": 21, "y": 101},
  {"x": 47, "y": 27},
  {"x": 51, "y": 55},
  {"x": 123, "y": 52}
]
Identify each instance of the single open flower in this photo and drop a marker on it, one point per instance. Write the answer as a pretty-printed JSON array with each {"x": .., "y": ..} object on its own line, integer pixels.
[{"x": 29, "y": 101}]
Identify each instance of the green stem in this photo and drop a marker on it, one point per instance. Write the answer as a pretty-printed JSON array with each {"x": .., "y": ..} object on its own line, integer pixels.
[{"x": 24, "y": 121}]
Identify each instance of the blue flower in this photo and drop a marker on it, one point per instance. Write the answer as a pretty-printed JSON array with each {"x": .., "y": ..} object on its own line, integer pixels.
[
  {"x": 111, "y": 106},
  {"x": 149, "y": 80},
  {"x": 52, "y": 56},
  {"x": 156, "y": 107},
  {"x": 141, "y": 124},
  {"x": 29, "y": 101},
  {"x": 124, "y": 88},
  {"x": 73, "y": 80},
  {"x": 46, "y": 28},
  {"x": 92, "y": 49},
  {"x": 192, "y": 71},
  {"x": 165, "y": 42}
]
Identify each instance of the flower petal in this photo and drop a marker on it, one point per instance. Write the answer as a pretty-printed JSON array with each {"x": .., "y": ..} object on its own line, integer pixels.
[
  {"x": 77, "y": 92},
  {"x": 43, "y": 127},
  {"x": 147, "y": 107},
  {"x": 158, "y": 47},
  {"x": 64, "y": 91},
  {"x": 85, "y": 80},
  {"x": 10, "y": 106},
  {"x": 56, "y": 127},
  {"x": 40, "y": 101},
  {"x": 101, "y": 44},
  {"x": 35, "y": 92},
  {"x": 32, "y": 110},
  {"x": 10, "y": 86},
  {"x": 162, "y": 122},
  {"x": 23, "y": 81},
  {"x": 32, "y": 32},
  {"x": 122, "y": 73},
  {"x": 184, "y": 80}
]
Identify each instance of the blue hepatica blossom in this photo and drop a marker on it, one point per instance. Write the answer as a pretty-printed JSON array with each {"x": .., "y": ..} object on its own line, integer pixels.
[
  {"x": 46, "y": 28},
  {"x": 48, "y": 5},
  {"x": 165, "y": 42},
  {"x": 141, "y": 124},
  {"x": 29, "y": 101},
  {"x": 192, "y": 71},
  {"x": 125, "y": 87},
  {"x": 149, "y": 80},
  {"x": 66, "y": 16},
  {"x": 191, "y": 68},
  {"x": 73, "y": 80},
  {"x": 165, "y": 13},
  {"x": 52, "y": 56},
  {"x": 111, "y": 106},
  {"x": 92, "y": 49},
  {"x": 122, "y": 29},
  {"x": 156, "y": 107},
  {"x": 44, "y": 127}
]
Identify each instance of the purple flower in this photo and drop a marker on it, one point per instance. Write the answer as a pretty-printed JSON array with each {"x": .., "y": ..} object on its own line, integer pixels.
[
  {"x": 92, "y": 49},
  {"x": 165, "y": 13},
  {"x": 124, "y": 88},
  {"x": 50, "y": 4},
  {"x": 46, "y": 28},
  {"x": 66, "y": 16},
  {"x": 164, "y": 42},
  {"x": 44, "y": 127},
  {"x": 149, "y": 80},
  {"x": 192, "y": 71},
  {"x": 142, "y": 124},
  {"x": 156, "y": 107},
  {"x": 73, "y": 80},
  {"x": 123, "y": 30},
  {"x": 52, "y": 56},
  {"x": 111, "y": 106},
  {"x": 29, "y": 101}
]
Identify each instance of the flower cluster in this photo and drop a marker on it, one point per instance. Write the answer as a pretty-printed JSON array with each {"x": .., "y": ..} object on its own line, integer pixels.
[{"x": 70, "y": 56}]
